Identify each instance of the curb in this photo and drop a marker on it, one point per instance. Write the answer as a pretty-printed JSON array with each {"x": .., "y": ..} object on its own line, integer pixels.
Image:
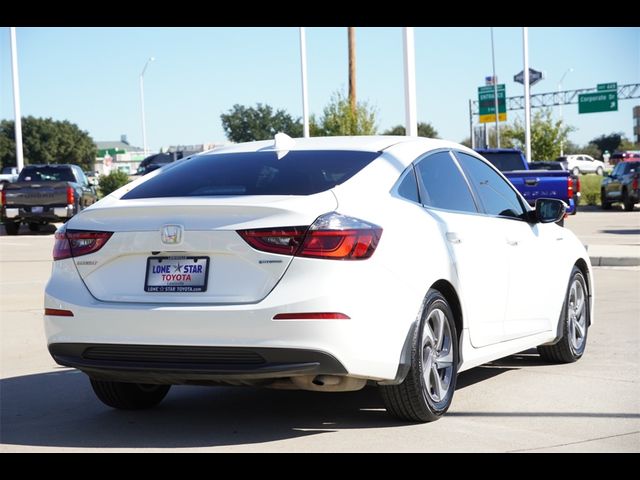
[{"x": 615, "y": 261}]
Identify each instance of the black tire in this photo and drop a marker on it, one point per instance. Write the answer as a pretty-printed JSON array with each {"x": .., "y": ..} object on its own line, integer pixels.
[
  {"x": 599, "y": 171},
  {"x": 627, "y": 201},
  {"x": 575, "y": 171},
  {"x": 412, "y": 399},
  {"x": 12, "y": 228},
  {"x": 129, "y": 396},
  {"x": 569, "y": 348},
  {"x": 34, "y": 227},
  {"x": 605, "y": 205}
]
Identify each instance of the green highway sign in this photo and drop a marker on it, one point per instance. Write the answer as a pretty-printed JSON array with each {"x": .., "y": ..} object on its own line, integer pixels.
[
  {"x": 607, "y": 86},
  {"x": 603, "y": 101},
  {"x": 487, "y": 104}
]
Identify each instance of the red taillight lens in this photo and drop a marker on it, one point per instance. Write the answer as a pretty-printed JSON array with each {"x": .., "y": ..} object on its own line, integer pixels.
[
  {"x": 56, "y": 312},
  {"x": 3, "y": 198},
  {"x": 71, "y": 196},
  {"x": 332, "y": 236},
  {"x": 275, "y": 240},
  {"x": 577, "y": 187},
  {"x": 312, "y": 316},
  {"x": 634, "y": 183},
  {"x": 74, "y": 243},
  {"x": 570, "y": 186}
]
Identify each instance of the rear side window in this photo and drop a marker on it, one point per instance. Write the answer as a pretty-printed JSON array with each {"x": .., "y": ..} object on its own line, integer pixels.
[
  {"x": 443, "y": 184},
  {"x": 255, "y": 173},
  {"x": 408, "y": 187}
]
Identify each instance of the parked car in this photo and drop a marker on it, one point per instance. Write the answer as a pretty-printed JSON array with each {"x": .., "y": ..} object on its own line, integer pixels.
[
  {"x": 618, "y": 157},
  {"x": 8, "y": 175},
  {"x": 321, "y": 264},
  {"x": 45, "y": 194},
  {"x": 578, "y": 164},
  {"x": 577, "y": 187},
  {"x": 532, "y": 184},
  {"x": 621, "y": 186}
]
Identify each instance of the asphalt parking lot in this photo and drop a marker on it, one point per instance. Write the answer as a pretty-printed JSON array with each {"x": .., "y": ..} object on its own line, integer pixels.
[{"x": 517, "y": 404}]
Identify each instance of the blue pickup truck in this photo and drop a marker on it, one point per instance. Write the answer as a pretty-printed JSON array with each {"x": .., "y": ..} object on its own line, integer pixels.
[{"x": 533, "y": 184}]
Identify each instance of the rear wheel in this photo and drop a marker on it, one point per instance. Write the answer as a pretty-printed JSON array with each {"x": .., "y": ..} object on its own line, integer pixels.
[
  {"x": 129, "y": 396},
  {"x": 427, "y": 391},
  {"x": 575, "y": 318},
  {"x": 627, "y": 201},
  {"x": 12, "y": 227},
  {"x": 605, "y": 205},
  {"x": 599, "y": 171},
  {"x": 34, "y": 227},
  {"x": 575, "y": 171}
]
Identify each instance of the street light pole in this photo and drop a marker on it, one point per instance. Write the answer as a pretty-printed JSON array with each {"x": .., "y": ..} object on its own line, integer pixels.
[
  {"x": 16, "y": 100},
  {"x": 305, "y": 93},
  {"x": 527, "y": 98},
  {"x": 559, "y": 90},
  {"x": 144, "y": 127},
  {"x": 495, "y": 90}
]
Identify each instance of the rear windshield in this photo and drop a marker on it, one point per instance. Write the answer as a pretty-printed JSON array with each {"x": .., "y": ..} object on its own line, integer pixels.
[
  {"x": 255, "y": 173},
  {"x": 505, "y": 161},
  {"x": 46, "y": 173}
]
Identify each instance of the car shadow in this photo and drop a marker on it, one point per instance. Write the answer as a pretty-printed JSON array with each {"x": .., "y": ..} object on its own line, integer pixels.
[
  {"x": 59, "y": 409},
  {"x": 43, "y": 230}
]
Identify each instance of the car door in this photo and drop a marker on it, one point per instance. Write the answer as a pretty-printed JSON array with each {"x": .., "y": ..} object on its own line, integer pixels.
[
  {"x": 527, "y": 247},
  {"x": 480, "y": 263},
  {"x": 613, "y": 187}
]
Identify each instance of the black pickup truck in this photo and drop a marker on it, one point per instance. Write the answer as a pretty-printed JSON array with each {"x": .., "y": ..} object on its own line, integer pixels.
[{"x": 45, "y": 194}]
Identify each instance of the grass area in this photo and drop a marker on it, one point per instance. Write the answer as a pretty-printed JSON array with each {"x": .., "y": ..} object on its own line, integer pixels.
[{"x": 590, "y": 189}]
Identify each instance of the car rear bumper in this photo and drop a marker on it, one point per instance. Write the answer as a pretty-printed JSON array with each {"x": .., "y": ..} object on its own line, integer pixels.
[
  {"x": 48, "y": 215},
  {"x": 166, "y": 364}
]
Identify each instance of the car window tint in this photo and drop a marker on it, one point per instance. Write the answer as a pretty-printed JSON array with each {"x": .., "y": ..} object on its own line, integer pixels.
[
  {"x": 496, "y": 195},
  {"x": 443, "y": 184},
  {"x": 255, "y": 173},
  {"x": 408, "y": 188}
]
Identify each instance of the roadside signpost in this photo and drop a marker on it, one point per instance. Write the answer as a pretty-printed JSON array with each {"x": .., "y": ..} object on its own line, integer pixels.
[
  {"x": 604, "y": 100},
  {"x": 486, "y": 102}
]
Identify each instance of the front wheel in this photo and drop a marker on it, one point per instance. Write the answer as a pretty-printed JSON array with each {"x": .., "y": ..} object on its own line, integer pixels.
[
  {"x": 599, "y": 171},
  {"x": 575, "y": 318},
  {"x": 129, "y": 396},
  {"x": 427, "y": 391},
  {"x": 603, "y": 200}
]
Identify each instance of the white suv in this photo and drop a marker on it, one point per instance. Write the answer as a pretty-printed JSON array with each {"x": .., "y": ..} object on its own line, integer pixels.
[{"x": 578, "y": 164}]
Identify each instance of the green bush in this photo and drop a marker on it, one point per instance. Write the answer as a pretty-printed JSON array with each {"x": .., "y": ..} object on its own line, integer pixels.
[
  {"x": 112, "y": 182},
  {"x": 590, "y": 189}
]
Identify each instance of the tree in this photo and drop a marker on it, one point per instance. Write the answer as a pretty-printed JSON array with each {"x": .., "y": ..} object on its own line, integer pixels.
[
  {"x": 245, "y": 124},
  {"x": 45, "y": 140},
  {"x": 609, "y": 142},
  {"x": 425, "y": 129},
  {"x": 112, "y": 182},
  {"x": 337, "y": 118},
  {"x": 546, "y": 135}
]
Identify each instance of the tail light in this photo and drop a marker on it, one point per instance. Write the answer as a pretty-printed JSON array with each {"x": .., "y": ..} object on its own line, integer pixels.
[
  {"x": 577, "y": 187},
  {"x": 71, "y": 196},
  {"x": 75, "y": 243},
  {"x": 570, "y": 186},
  {"x": 634, "y": 182},
  {"x": 3, "y": 198},
  {"x": 332, "y": 236}
]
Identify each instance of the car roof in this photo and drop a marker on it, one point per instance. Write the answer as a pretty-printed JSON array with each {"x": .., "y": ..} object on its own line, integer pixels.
[{"x": 366, "y": 143}]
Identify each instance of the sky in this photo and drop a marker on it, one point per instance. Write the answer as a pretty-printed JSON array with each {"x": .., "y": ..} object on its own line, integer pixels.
[{"x": 90, "y": 76}]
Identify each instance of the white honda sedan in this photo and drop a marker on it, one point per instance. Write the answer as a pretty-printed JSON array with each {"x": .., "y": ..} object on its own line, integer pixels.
[{"x": 320, "y": 264}]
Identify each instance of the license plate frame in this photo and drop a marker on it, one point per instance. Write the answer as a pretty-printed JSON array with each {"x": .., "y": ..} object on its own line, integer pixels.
[{"x": 176, "y": 285}]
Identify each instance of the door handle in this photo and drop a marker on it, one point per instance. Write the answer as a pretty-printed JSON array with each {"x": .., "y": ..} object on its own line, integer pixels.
[
  {"x": 531, "y": 181},
  {"x": 453, "y": 237}
]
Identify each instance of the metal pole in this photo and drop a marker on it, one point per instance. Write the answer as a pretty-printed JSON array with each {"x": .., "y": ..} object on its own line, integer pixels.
[
  {"x": 305, "y": 93},
  {"x": 144, "y": 126},
  {"x": 495, "y": 90},
  {"x": 16, "y": 100},
  {"x": 559, "y": 90},
  {"x": 411, "y": 121},
  {"x": 527, "y": 99},
  {"x": 352, "y": 69},
  {"x": 471, "y": 135}
]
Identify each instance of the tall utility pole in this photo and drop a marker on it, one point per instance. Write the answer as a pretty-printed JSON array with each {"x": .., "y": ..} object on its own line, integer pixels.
[
  {"x": 411, "y": 119},
  {"x": 144, "y": 125},
  {"x": 305, "y": 93},
  {"x": 16, "y": 100},
  {"x": 495, "y": 90},
  {"x": 351, "y": 31},
  {"x": 527, "y": 99}
]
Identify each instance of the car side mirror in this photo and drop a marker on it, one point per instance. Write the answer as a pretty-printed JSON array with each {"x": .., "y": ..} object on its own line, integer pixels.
[{"x": 550, "y": 210}]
